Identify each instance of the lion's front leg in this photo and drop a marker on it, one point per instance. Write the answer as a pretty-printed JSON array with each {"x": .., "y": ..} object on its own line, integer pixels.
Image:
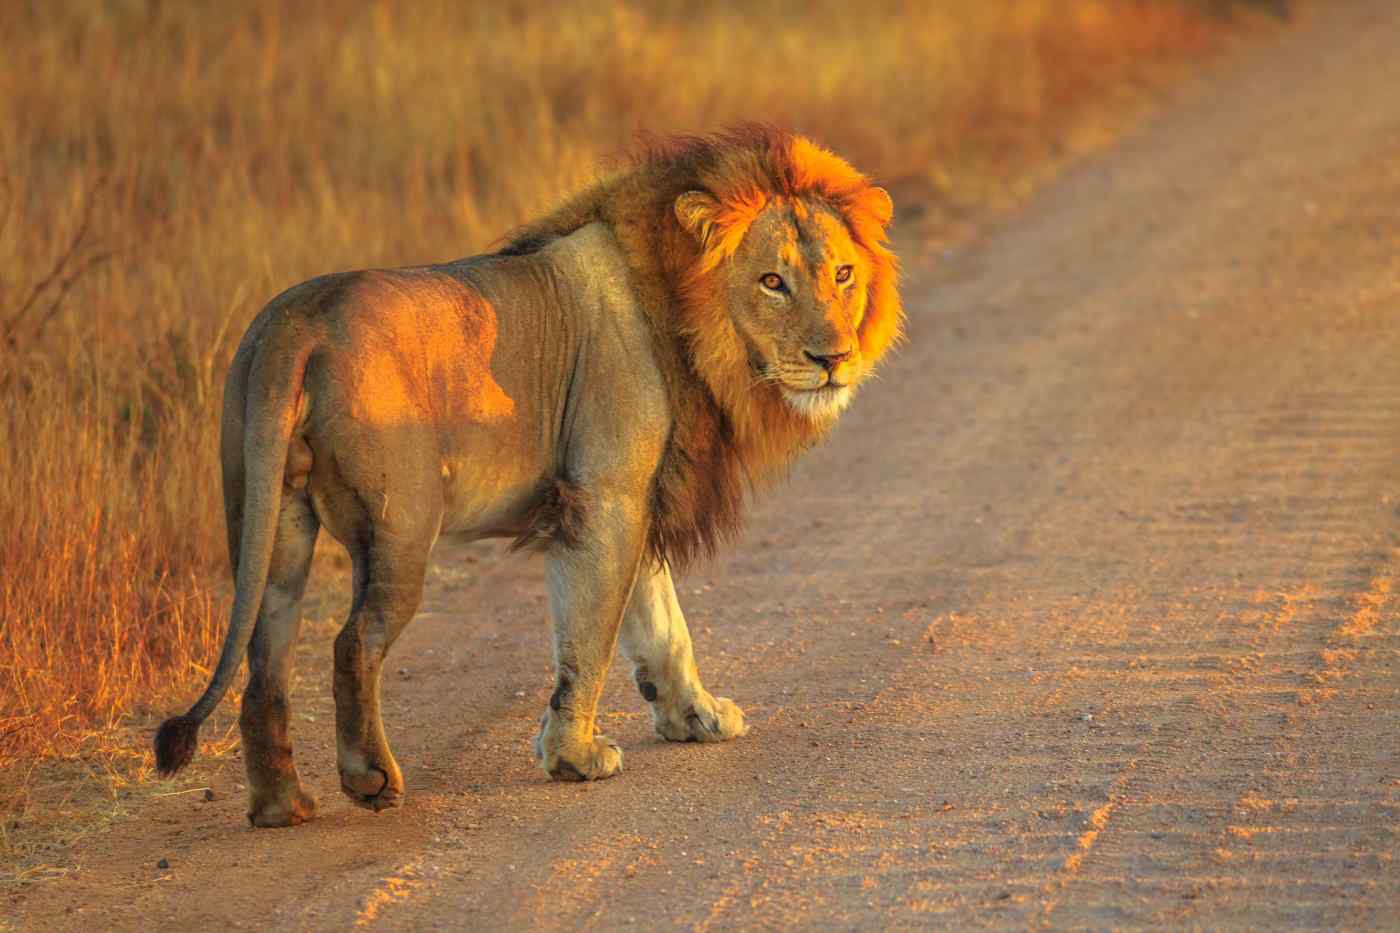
[
  {"x": 655, "y": 638},
  {"x": 589, "y": 583}
]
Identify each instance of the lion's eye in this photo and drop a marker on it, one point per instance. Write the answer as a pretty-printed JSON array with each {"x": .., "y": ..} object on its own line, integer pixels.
[
  {"x": 843, "y": 274},
  {"x": 772, "y": 281}
]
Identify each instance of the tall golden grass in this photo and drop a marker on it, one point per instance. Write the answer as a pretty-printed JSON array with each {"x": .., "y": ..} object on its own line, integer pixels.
[{"x": 166, "y": 168}]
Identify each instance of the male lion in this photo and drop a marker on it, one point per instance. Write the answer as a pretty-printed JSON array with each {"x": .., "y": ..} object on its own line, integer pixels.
[{"x": 603, "y": 388}]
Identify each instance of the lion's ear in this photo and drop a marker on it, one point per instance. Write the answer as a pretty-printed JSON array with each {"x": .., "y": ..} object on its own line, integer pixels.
[
  {"x": 879, "y": 203},
  {"x": 696, "y": 211}
]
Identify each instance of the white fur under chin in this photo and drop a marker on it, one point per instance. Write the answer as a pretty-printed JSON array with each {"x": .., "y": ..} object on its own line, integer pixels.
[{"x": 821, "y": 405}]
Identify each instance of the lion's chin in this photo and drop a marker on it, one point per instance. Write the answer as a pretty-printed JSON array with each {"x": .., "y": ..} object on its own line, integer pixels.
[{"x": 819, "y": 405}]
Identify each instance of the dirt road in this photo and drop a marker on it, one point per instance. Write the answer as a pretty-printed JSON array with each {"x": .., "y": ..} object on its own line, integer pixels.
[{"x": 1088, "y": 616}]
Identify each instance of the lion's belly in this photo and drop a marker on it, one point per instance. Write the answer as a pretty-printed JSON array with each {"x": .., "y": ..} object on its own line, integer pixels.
[{"x": 489, "y": 484}]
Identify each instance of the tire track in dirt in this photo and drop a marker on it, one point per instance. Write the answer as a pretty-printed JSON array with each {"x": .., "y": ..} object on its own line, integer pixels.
[
  {"x": 1254, "y": 684},
  {"x": 1297, "y": 812}
]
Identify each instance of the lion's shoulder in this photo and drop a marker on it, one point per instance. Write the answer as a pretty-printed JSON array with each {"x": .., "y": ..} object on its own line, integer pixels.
[{"x": 592, "y": 263}]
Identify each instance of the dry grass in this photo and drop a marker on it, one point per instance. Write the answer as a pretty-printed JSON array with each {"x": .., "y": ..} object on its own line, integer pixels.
[{"x": 166, "y": 168}]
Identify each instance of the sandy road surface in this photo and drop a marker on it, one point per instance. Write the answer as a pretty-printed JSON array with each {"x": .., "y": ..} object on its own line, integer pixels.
[{"x": 1089, "y": 615}]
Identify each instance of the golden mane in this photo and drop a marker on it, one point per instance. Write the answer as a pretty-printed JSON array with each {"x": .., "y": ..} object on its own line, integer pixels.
[{"x": 730, "y": 431}]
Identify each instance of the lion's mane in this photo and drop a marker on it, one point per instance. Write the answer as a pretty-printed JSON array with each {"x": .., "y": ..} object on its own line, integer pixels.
[{"x": 730, "y": 430}]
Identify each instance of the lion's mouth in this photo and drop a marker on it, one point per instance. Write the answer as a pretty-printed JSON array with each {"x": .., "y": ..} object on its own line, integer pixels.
[
  {"x": 819, "y": 403},
  {"x": 825, "y": 382}
]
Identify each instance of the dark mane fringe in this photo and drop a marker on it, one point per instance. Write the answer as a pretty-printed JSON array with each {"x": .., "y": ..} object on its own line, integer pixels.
[
  {"x": 698, "y": 495},
  {"x": 556, "y": 516},
  {"x": 662, "y": 167},
  {"x": 716, "y": 452},
  {"x": 691, "y": 151}
]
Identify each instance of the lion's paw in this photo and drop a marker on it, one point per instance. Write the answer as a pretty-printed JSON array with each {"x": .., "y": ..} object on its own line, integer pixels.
[
  {"x": 704, "y": 719},
  {"x": 374, "y": 788},
  {"x": 592, "y": 761},
  {"x": 291, "y": 807}
]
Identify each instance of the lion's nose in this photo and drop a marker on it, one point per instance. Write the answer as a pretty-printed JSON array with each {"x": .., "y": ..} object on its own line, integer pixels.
[{"x": 828, "y": 361}]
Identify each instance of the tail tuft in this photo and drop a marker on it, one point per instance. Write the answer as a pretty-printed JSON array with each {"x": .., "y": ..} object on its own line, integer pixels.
[{"x": 176, "y": 741}]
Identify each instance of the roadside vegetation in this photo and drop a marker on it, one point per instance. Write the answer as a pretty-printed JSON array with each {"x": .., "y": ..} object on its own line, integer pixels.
[{"x": 167, "y": 168}]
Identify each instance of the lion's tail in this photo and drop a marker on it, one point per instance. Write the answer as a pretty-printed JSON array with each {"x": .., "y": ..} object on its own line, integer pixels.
[{"x": 276, "y": 377}]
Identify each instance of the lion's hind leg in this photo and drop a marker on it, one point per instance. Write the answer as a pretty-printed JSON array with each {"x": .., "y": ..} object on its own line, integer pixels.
[
  {"x": 276, "y": 796},
  {"x": 390, "y": 556},
  {"x": 655, "y": 638}
]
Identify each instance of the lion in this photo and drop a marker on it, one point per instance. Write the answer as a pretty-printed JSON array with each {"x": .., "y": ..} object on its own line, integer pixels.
[{"x": 605, "y": 388}]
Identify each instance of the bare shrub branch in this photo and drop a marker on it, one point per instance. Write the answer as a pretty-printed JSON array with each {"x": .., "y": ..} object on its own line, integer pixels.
[{"x": 71, "y": 265}]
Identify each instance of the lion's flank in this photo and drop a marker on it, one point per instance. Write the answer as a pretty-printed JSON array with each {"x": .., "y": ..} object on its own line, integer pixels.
[{"x": 728, "y": 431}]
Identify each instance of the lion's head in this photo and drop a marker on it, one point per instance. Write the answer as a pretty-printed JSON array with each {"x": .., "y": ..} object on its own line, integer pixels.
[{"x": 790, "y": 288}]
